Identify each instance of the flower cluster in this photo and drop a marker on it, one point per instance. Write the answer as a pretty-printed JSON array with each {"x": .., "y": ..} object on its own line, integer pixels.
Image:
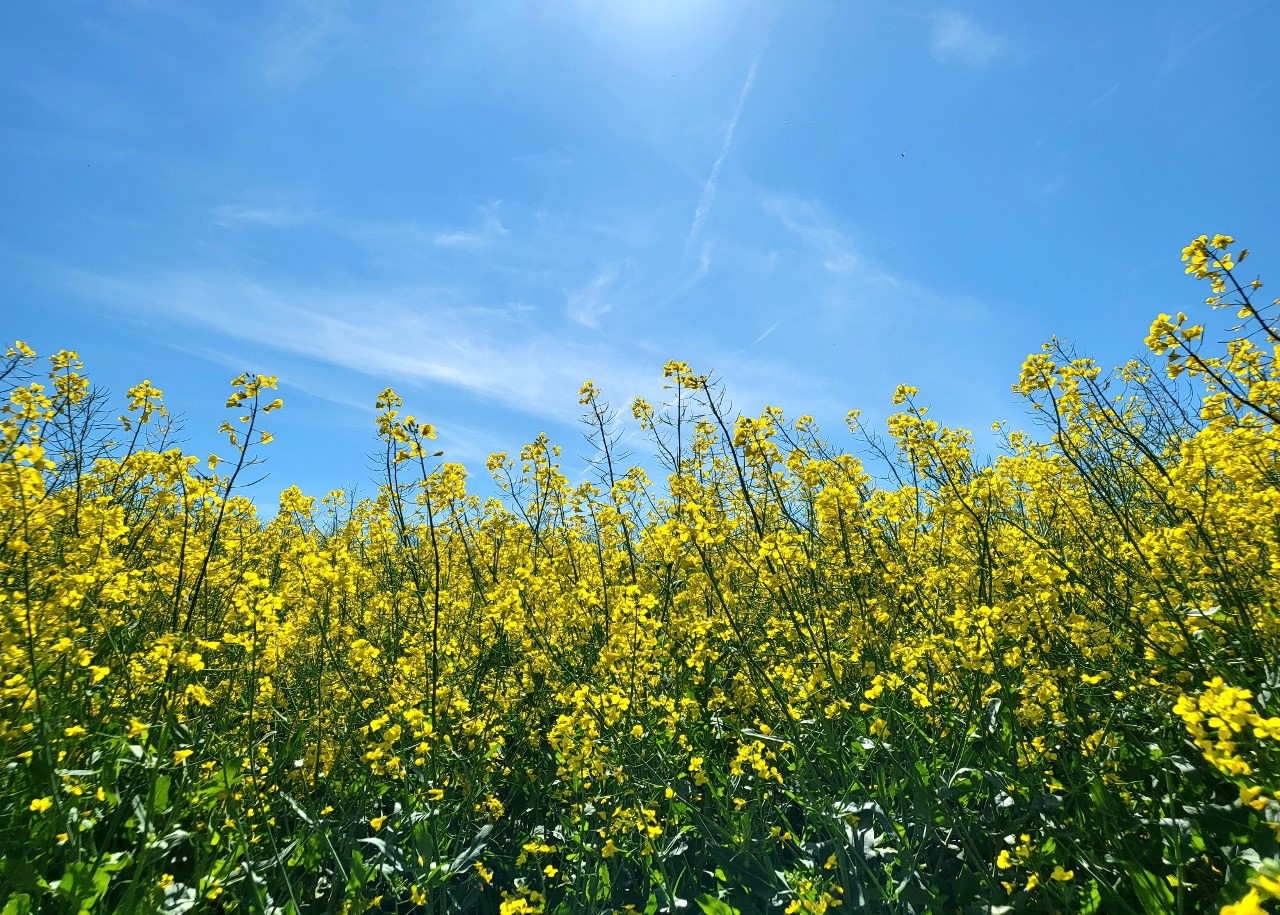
[{"x": 787, "y": 678}]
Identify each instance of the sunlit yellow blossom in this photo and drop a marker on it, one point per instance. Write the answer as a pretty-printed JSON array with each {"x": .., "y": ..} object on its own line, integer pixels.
[{"x": 1251, "y": 904}]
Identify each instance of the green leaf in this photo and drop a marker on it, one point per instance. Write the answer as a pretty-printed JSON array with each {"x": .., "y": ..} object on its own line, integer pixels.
[
  {"x": 1153, "y": 892},
  {"x": 710, "y": 905},
  {"x": 602, "y": 893},
  {"x": 1092, "y": 901},
  {"x": 18, "y": 904},
  {"x": 162, "y": 794}
]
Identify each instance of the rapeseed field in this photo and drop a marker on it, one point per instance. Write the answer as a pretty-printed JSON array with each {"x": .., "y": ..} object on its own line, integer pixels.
[{"x": 788, "y": 677}]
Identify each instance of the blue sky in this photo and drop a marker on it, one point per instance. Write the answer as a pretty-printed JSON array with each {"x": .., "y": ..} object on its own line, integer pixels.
[{"x": 486, "y": 204}]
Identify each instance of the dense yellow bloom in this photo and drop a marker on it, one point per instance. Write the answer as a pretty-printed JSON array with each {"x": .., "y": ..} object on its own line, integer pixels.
[{"x": 775, "y": 647}]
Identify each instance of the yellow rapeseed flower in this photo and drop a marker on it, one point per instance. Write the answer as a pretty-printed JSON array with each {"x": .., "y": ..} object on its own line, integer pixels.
[{"x": 1251, "y": 904}]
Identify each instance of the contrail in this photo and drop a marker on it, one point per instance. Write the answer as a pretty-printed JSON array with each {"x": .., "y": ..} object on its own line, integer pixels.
[
  {"x": 772, "y": 328},
  {"x": 1075, "y": 117},
  {"x": 709, "y": 189}
]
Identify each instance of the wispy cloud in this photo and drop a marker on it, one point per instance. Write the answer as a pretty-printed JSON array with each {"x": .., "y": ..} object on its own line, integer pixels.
[
  {"x": 957, "y": 39},
  {"x": 402, "y": 334},
  {"x": 708, "y": 198},
  {"x": 460, "y": 239},
  {"x": 461, "y": 441},
  {"x": 1077, "y": 116},
  {"x": 302, "y": 39},
  {"x": 308, "y": 382},
  {"x": 587, "y": 304},
  {"x": 482, "y": 236},
  {"x": 838, "y": 252},
  {"x": 275, "y": 217},
  {"x": 1183, "y": 42},
  {"x": 369, "y": 232},
  {"x": 704, "y": 261}
]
